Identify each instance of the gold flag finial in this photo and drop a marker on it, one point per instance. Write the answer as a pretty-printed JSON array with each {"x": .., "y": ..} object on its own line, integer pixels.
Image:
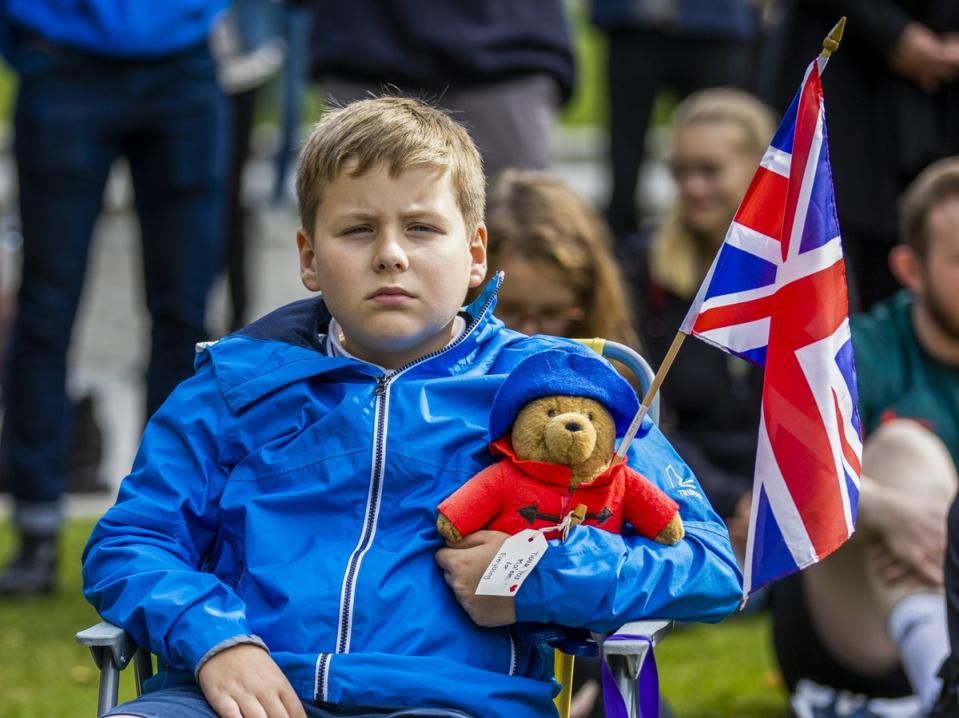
[{"x": 831, "y": 42}]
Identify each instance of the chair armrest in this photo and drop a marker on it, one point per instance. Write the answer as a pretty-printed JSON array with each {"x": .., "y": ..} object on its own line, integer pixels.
[
  {"x": 656, "y": 630},
  {"x": 105, "y": 639},
  {"x": 625, "y": 657},
  {"x": 112, "y": 650}
]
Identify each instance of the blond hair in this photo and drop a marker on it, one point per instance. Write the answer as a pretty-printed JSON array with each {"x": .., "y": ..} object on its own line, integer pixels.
[
  {"x": 537, "y": 216},
  {"x": 937, "y": 182},
  {"x": 679, "y": 259},
  {"x": 401, "y": 131}
]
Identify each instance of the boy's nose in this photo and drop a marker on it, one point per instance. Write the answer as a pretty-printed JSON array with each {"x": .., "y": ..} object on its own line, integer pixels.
[
  {"x": 390, "y": 257},
  {"x": 387, "y": 265}
]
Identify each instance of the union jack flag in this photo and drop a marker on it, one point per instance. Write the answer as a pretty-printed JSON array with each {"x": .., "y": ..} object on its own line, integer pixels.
[{"x": 776, "y": 296}]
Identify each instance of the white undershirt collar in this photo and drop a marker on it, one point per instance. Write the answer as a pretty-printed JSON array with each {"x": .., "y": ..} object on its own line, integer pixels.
[{"x": 333, "y": 342}]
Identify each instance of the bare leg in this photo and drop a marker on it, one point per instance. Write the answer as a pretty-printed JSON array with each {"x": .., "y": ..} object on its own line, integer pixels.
[{"x": 848, "y": 601}]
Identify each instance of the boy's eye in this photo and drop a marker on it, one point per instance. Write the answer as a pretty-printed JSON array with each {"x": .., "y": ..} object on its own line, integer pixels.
[
  {"x": 551, "y": 413},
  {"x": 423, "y": 228},
  {"x": 357, "y": 230}
]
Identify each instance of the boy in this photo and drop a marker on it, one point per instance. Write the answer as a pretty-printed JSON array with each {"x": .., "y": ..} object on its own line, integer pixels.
[{"x": 276, "y": 537}]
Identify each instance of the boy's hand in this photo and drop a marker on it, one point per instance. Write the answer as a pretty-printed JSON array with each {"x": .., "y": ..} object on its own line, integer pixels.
[
  {"x": 463, "y": 564},
  {"x": 244, "y": 681}
]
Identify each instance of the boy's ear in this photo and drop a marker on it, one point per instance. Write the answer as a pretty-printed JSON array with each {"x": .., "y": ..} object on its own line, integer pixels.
[
  {"x": 307, "y": 261},
  {"x": 906, "y": 266},
  {"x": 478, "y": 255}
]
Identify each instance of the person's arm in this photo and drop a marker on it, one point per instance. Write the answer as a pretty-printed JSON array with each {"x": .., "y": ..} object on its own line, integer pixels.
[
  {"x": 723, "y": 488},
  {"x": 730, "y": 493},
  {"x": 142, "y": 566},
  {"x": 909, "y": 526},
  {"x": 601, "y": 580},
  {"x": 877, "y": 24},
  {"x": 911, "y": 49},
  {"x": 912, "y": 529}
]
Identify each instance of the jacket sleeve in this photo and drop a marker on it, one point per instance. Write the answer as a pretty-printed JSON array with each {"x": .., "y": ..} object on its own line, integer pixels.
[
  {"x": 876, "y": 23},
  {"x": 723, "y": 488},
  {"x": 143, "y": 566},
  {"x": 600, "y": 580}
]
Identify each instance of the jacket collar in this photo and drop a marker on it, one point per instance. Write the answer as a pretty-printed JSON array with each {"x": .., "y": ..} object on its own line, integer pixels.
[
  {"x": 558, "y": 474},
  {"x": 284, "y": 347}
]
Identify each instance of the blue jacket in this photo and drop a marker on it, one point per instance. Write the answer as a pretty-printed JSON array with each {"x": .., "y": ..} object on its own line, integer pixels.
[
  {"x": 117, "y": 28},
  {"x": 290, "y": 495}
]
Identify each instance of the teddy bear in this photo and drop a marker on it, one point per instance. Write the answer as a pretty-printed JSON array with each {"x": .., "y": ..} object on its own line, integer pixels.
[{"x": 554, "y": 422}]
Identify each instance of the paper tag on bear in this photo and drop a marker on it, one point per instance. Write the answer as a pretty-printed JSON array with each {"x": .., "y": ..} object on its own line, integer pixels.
[{"x": 518, "y": 555}]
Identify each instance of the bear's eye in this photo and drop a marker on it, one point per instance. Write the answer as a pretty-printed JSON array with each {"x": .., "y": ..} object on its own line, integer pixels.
[
  {"x": 551, "y": 413},
  {"x": 590, "y": 415}
]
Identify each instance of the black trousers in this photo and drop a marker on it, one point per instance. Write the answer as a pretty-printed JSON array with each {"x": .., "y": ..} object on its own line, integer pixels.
[{"x": 640, "y": 64}]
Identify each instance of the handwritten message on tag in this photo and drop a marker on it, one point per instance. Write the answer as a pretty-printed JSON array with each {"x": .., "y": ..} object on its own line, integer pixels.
[{"x": 518, "y": 556}]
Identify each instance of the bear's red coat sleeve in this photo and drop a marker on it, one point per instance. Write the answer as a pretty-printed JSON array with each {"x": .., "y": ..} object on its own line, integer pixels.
[
  {"x": 474, "y": 504},
  {"x": 645, "y": 505}
]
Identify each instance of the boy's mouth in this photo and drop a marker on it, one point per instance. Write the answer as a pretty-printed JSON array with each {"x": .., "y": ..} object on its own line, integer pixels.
[{"x": 390, "y": 295}]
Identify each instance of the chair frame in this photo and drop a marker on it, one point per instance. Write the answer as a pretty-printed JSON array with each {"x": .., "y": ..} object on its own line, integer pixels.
[{"x": 113, "y": 649}]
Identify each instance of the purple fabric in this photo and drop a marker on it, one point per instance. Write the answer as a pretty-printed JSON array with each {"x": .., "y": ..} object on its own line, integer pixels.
[{"x": 647, "y": 684}]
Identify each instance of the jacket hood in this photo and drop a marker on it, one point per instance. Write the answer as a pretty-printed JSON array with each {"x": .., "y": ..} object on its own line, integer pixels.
[{"x": 291, "y": 348}]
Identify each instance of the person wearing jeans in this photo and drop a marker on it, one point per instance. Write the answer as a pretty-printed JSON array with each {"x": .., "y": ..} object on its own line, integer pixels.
[{"x": 99, "y": 82}]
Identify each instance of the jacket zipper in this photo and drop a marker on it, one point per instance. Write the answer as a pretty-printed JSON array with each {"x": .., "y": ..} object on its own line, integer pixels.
[
  {"x": 380, "y": 427},
  {"x": 344, "y": 628},
  {"x": 236, "y": 584}
]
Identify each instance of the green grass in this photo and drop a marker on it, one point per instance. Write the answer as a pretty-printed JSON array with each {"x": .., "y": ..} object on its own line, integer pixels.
[
  {"x": 8, "y": 85},
  {"x": 722, "y": 671},
  {"x": 705, "y": 671},
  {"x": 587, "y": 106},
  {"x": 43, "y": 672}
]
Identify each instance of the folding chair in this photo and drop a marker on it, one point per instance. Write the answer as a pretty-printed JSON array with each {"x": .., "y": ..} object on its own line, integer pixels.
[{"x": 113, "y": 648}]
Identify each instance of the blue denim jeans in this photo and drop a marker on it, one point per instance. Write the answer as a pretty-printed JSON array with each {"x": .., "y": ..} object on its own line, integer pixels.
[
  {"x": 188, "y": 702},
  {"x": 75, "y": 114}
]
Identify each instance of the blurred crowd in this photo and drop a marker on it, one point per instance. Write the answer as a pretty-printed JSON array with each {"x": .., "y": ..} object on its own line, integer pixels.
[{"x": 693, "y": 87}]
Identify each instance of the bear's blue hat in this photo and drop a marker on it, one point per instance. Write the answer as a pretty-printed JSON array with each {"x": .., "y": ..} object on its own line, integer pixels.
[{"x": 565, "y": 373}]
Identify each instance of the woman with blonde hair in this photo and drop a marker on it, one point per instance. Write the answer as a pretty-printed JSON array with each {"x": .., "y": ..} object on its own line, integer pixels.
[
  {"x": 711, "y": 401},
  {"x": 561, "y": 275},
  {"x": 719, "y": 138}
]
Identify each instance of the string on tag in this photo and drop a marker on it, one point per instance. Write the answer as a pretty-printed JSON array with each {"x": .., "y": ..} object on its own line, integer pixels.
[{"x": 573, "y": 518}]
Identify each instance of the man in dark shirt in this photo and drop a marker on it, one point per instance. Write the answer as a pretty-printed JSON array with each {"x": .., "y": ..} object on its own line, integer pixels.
[{"x": 877, "y": 604}]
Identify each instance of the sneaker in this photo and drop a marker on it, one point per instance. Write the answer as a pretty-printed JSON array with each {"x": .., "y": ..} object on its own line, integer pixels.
[
  {"x": 86, "y": 450},
  {"x": 812, "y": 700},
  {"x": 33, "y": 570}
]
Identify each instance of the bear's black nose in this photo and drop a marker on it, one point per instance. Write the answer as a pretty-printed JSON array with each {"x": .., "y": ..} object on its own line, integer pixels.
[{"x": 573, "y": 426}]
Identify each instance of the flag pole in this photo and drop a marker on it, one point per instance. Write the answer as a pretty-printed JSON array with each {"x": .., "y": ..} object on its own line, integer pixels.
[
  {"x": 650, "y": 395},
  {"x": 831, "y": 42}
]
